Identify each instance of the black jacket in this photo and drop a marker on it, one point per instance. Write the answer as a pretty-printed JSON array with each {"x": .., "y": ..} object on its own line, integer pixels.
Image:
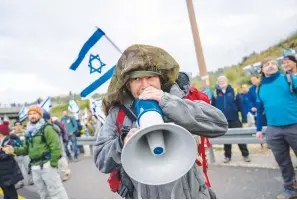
[{"x": 10, "y": 172}]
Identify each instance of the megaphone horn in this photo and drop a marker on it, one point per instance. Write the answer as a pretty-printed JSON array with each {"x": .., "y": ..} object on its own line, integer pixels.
[{"x": 159, "y": 152}]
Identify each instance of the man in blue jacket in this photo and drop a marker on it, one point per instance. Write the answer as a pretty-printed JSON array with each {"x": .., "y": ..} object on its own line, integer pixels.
[
  {"x": 230, "y": 104},
  {"x": 71, "y": 127},
  {"x": 280, "y": 104}
]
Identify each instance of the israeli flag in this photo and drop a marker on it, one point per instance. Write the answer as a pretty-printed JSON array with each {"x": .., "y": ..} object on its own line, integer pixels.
[
  {"x": 46, "y": 104},
  {"x": 73, "y": 107},
  {"x": 23, "y": 114},
  {"x": 85, "y": 115},
  {"x": 96, "y": 107},
  {"x": 96, "y": 62}
]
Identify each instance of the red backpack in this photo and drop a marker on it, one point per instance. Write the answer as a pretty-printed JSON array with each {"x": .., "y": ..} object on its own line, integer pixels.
[{"x": 194, "y": 94}]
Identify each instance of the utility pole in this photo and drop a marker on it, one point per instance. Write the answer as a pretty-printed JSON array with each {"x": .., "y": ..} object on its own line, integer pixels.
[{"x": 198, "y": 47}]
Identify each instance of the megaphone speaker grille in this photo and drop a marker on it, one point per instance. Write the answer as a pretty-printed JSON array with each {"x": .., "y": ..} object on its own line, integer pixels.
[{"x": 141, "y": 165}]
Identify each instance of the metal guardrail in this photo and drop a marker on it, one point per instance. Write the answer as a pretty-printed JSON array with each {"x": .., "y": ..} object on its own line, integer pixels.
[
  {"x": 90, "y": 140},
  {"x": 233, "y": 136},
  {"x": 236, "y": 136},
  {"x": 239, "y": 136}
]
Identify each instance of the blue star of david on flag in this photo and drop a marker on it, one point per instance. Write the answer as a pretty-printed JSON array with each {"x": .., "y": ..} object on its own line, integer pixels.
[{"x": 91, "y": 64}]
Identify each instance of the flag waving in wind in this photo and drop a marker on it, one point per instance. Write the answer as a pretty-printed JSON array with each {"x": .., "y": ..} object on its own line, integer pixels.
[
  {"x": 46, "y": 104},
  {"x": 23, "y": 113},
  {"x": 73, "y": 107},
  {"x": 96, "y": 60},
  {"x": 96, "y": 108}
]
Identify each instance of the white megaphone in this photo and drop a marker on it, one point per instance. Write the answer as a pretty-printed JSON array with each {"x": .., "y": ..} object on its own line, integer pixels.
[{"x": 159, "y": 153}]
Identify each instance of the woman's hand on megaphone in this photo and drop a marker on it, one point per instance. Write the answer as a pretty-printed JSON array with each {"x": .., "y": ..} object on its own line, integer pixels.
[
  {"x": 130, "y": 134},
  {"x": 151, "y": 93}
]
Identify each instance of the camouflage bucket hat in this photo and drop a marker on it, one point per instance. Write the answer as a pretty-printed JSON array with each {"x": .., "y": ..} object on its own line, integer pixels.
[{"x": 139, "y": 60}]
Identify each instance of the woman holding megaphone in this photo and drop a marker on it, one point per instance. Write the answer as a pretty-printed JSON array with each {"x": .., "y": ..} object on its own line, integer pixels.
[{"x": 146, "y": 143}]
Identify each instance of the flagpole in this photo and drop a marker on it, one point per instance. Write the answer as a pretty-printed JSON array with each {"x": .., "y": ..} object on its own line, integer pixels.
[
  {"x": 113, "y": 44},
  {"x": 198, "y": 47}
]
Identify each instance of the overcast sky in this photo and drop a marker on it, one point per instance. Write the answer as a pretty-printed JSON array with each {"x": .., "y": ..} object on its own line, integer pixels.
[{"x": 39, "y": 40}]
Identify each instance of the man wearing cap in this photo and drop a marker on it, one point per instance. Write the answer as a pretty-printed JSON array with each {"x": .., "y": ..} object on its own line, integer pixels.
[
  {"x": 42, "y": 145},
  {"x": 290, "y": 64},
  {"x": 150, "y": 73}
]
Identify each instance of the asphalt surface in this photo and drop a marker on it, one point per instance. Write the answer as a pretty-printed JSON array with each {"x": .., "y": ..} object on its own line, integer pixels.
[{"x": 227, "y": 182}]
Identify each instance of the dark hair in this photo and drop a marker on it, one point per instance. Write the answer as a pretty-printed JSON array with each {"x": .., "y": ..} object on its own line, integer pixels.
[{"x": 17, "y": 121}]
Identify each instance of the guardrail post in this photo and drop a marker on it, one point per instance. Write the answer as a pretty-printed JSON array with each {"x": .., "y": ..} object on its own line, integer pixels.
[{"x": 211, "y": 155}]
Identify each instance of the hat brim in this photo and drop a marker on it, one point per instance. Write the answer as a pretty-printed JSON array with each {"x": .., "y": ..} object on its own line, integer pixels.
[{"x": 141, "y": 74}]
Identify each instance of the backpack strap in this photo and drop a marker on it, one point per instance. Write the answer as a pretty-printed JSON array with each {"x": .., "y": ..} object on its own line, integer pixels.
[
  {"x": 124, "y": 111},
  {"x": 42, "y": 131},
  {"x": 114, "y": 179},
  {"x": 289, "y": 80},
  {"x": 120, "y": 120},
  {"x": 195, "y": 94},
  {"x": 204, "y": 160}
]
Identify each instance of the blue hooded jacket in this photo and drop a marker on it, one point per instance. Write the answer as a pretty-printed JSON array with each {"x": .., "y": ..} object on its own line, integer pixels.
[{"x": 276, "y": 99}]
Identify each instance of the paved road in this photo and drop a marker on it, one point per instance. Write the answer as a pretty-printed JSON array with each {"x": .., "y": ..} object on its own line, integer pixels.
[{"x": 227, "y": 181}]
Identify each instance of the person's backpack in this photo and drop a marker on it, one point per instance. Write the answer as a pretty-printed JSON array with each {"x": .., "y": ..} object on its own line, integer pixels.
[
  {"x": 195, "y": 94},
  {"x": 43, "y": 140},
  {"x": 62, "y": 127}
]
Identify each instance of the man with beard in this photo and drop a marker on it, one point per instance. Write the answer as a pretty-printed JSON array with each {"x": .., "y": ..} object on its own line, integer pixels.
[{"x": 42, "y": 145}]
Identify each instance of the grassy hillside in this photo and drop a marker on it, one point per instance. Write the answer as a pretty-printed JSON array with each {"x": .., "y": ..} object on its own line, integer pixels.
[
  {"x": 57, "y": 110},
  {"x": 235, "y": 73}
]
